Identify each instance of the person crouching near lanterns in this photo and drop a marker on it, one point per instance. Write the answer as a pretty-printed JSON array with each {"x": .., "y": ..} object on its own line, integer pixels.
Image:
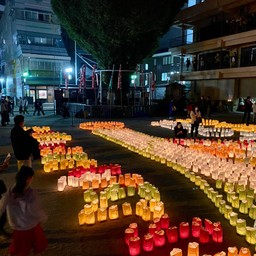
[
  {"x": 196, "y": 119},
  {"x": 25, "y": 147},
  {"x": 24, "y": 213},
  {"x": 179, "y": 131}
]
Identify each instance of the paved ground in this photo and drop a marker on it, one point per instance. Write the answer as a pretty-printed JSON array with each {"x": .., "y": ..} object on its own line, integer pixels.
[{"x": 182, "y": 200}]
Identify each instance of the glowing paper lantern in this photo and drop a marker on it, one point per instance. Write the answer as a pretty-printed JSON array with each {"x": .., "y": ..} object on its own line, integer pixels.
[
  {"x": 114, "y": 195},
  {"x": 204, "y": 236},
  {"x": 165, "y": 221},
  {"x": 172, "y": 234},
  {"x": 113, "y": 212},
  {"x": 157, "y": 221},
  {"x": 81, "y": 218},
  {"x": 157, "y": 213},
  {"x": 134, "y": 246},
  {"x": 86, "y": 184},
  {"x": 129, "y": 232},
  {"x": 152, "y": 204},
  {"x": 138, "y": 209},
  {"x": 208, "y": 226},
  {"x": 134, "y": 226},
  {"x": 241, "y": 227},
  {"x": 95, "y": 183},
  {"x": 250, "y": 235},
  {"x": 252, "y": 212},
  {"x": 48, "y": 167},
  {"x": 196, "y": 229},
  {"x": 152, "y": 229},
  {"x": 89, "y": 217},
  {"x": 243, "y": 207},
  {"x": 159, "y": 238},
  {"x": 176, "y": 252},
  {"x": 233, "y": 218},
  {"x": 130, "y": 191},
  {"x": 62, "y": 182},
  {"x": 232, "y": 251},
  {"x": 184, "y": 229},
  {"x": 102, "y": 214},
  {"x": 146, "y": 214},
  {"x": 217, "y": 235},
  {"x": 148, "y": 194},
  {"x": 148, "y": 242},
  {"x": 235, "y": 202},
  {"x": 103, "y": 202},
  {"x": 103, "y": 183},
  {"x": 244, "y": 252},
  {"x": 193, "y": 249},
  {"x": 121, "y": 179},
  {"x": 228, "y": 210},
  {"x": 127, "y": 209}
]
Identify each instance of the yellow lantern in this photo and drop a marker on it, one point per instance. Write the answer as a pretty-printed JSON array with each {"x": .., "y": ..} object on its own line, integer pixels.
[
  {"x": 157, "y": 213},
  {"x": 252, "y": 212},
  {"x": 87, "y": 208},
  {"x": 193, "y": 249},
  {"x": 127, "y": 209},
  {"x": 138, "y": 209},
  {"x": 152, "y": 204},
  {"x": 95, "y": 205},
  {"x": 148, "y": 194},
  {"x": 55, "y": 165},
  {"x": 113, "y": 212},
  {"x": 228, "y": 210},
  {"x": 233, "y": 218},
  {"x": 102, "y": 214},
  {"x": 89, "y": 217},
  {"x": 146, "y": 214},
  {"x": 103, "y": 202},
  {"x": 81, "y": 218},
  {"x": 241, "y": 227},
  {"x": 121, "y": 193},
  {"x": 114, "y": 195},
  {"x": 242, "y": 194},
  {"x": 156, "y": 195},
  {"x": 87, "y": 196},
  {"x": 243, "y": 207},
  {"x": 48, "y": 166},
  {"x": 217, "y": 200},
  {"x": 250, "y": 235},
  {"x": 71, "y": 163},
  {"x": 130, "y": 191},
  {"x": 235, "y": 202}
]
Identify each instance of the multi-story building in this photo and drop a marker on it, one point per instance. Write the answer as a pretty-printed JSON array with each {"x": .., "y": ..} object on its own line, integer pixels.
[
  {"x": 223, "y": 52},
  {"x": 33, "y": 55}
]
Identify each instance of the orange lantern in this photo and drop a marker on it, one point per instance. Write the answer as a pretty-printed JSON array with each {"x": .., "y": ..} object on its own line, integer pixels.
[
  {"x": 193, "y": 249},
  {"x": 232, "y": 251},
  {"x": 127, "y": 209},
  {"x": 244, "y": 251},
  {"x": 103, "y": 183},
  {"x": 113, "y": 212}
]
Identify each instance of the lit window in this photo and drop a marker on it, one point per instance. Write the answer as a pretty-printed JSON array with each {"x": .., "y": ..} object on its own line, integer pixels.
[{"x": 164, "y": 77}]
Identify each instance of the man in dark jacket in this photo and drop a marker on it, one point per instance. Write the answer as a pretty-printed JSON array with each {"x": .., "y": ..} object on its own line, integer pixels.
[{"x": 24, "y": 146}]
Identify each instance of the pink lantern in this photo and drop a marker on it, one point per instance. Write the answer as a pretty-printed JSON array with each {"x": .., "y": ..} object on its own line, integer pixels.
[
  {"x": 165, "y": 221},
  {"x": 184, "y": 230},
  {"x": 129, "y": 232},
  {"x": 157, "y": 221},
  {"x": 198, "y": 220},
  {"x": 208, "y": 226},
  {"x": 196, "y": 229},
  {"x": 148, "y": 243},
  {"x": 135, "y": 227},
  {"x": 217, "y": 235},
  {"x": 152, "y": 228},
  {"x": 204, "y": 236},
  {"x": 172, "y": 234},
  {"x": 134, "y": 246},
  {"x": 159, "y": 238}
]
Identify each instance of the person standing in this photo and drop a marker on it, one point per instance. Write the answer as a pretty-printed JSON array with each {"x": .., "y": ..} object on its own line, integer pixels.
[
  {"x": 21, "y": 105},
  {"x": 196, "y": 119},
  {"x": 247, "y": 111},
  {"x": 24, "y": 213},
  {"x": 24, "y": 146},
  {"x": 25, "y": 106}
]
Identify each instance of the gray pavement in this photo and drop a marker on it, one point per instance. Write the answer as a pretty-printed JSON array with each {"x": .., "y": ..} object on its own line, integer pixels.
[{"x": 182, "y": 200}]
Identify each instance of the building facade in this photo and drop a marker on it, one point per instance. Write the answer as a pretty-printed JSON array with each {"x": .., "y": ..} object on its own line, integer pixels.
[{"x": 33, "y": 55}]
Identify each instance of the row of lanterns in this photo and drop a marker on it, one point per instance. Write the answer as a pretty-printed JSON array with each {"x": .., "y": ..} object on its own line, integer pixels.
[{"x": 101, "y": 125}]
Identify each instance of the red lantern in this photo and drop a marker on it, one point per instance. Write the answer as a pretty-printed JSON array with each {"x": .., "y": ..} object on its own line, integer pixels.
[
  {"x": 208, "y": 226},
  {"x": 198, "y": 220},
  {"x": 184, "y": 230},
  {"x": 196, "y": 229},
  {"x": 164, "y": 221},
  {"x": 217, "y": 235},
  {"x": 152, "y": 229},
  {"x": 172, "y": 234},
  {"x": 157, "y": 221},
  {"x": 129, "y": 232},
  {"x": 148, "y": 243},
  {"x": 204, "y": 236},
  {"x": 159, "y": 238},
  {"x": 134, "y": 246},
  {"x": 135, "y": 227}
]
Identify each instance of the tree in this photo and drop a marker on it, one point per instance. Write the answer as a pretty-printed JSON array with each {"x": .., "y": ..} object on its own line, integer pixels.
[{"x": 117, "y": 31}]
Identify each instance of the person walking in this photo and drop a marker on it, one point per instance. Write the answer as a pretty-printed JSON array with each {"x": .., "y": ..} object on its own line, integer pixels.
[
  {"x": 21, "y": 105},
  {"x": 24, "y": 213},
  {"x": 196, "y": 119},
  {"x": 25, "y": 147},
  {"x": 247, "y": 111},
  {"x": 25, "y": 106}
]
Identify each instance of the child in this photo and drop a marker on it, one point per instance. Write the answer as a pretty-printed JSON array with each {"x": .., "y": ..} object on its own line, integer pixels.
[{"x": 24, "y": 215}]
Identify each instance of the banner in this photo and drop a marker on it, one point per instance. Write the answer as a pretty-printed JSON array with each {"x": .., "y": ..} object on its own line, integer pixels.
[
  {"x": 82, "y": 82},
  {"x": 93, "y": 76},
  {"x": 111, "y": 78},
  {"x": 119, "y": 80}
]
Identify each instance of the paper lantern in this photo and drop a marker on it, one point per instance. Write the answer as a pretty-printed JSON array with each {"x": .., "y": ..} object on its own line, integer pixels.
[
  {"x": 176, "y": 252},
  {"x": 157, "y": 213},
  {"x": 93, "y": 195},
  {"x": 127, "y": 209},
  {"x": 113, "y": 212},
  {"x": 241, "y": 227},
  {"x": 242, "y": 195},
  {"x": 244, "y": 251},
  {"x": 228, "y": 210},
  {"x": 148, "y": 242},
  {"x": 152, "y": 228},
  {"x": 87, "y": 196},
  {"x": 89, "y": 217},
  {"x": 48, "y": 166},
  {"x": 62, "y": 183},
  {"x": 55, "y": 165},
  {"x": 95, "y": 183},
  {"x": 235, "y": 202},
  {"x": 129, "y": 232},
  {"x": 208, "y": 226},
  {"x": 103, "y": 183},
  {"x": 87, "y": 208},
  {"x": 198, "y": 220},
  {"x": 184, "y": 229},
  {"x": 233, "y": 218},
  {"x": 218, "y": 199},
  {"x": 243, "y": 207},
  {"x": 140, "y": 180},
  {"x": 63, "y": 164},
  {"x": 132, "y": 182},
  {"x": 159, "y": 237},
  {"x": 134, "y": 246},
  {"x": 222, "y": 253},
  {"x": 102, "y": 214},
  {"x": 148, "y": 194},
  {"x": 152, "y": 204},
  {"x": 134, "y": 226},
  {"x": 95, "y": 205},
  {"x": 204, "y": 236},
  {"x": 130, "y": 191},
  {"x": 138, "y": 209},
  {"x": 172, "y": 234},
  {"x": 71, "y": 163},
  {"x": 146, "y": 214},
  {"x": 250, "y": 200},
  {"x": 196, "y": 229},
  {"x": 252, "y": 212},
  {"x": 113, "y": 179},
  {"x": 165, "y": 221},
  {"x": 217, "y": 235},
  {"x": 250, "y": 236},
  {"x": 103, "y": 202},
  {"x": 157, "y": 221},
  {"x": 86, "y": 184},
  {"x": 222, "y": 206},
  {"x": 121, "y": 193},
  {"x": 81, "y": 218},
  {"x": 193, "y": 249},
  {"x": 121, "y": 179},
  {"x": 218, "y": 184},
  {"x": 232, "y": 251},
  {"x": 230, "y": 194},
  {"x": 141, "y": 191},
  {"x": 127, "y": 177},
  {"x": 114, "y": 195},
  {"x": 157, "y": 195}
]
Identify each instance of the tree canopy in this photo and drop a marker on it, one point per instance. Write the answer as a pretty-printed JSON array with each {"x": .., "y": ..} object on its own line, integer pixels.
[{"x": 117, "y": 31}]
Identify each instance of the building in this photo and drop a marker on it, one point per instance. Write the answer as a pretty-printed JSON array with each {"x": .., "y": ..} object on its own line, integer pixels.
[
  {"x": 223, "y": 51},
  {"x": 33, "y": 55}
]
